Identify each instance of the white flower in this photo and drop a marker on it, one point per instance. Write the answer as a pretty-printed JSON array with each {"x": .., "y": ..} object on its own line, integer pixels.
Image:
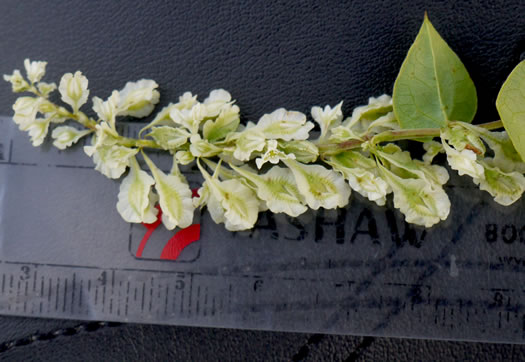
[
  {"x": 110, "y": 159},
  {"x": 74, "y": 89},
  {"x": 248, "y": 141},
  {"x": 273, "y": 155},
  {"x": 304, "y": 151},
  {"x": 26, "y": 109},
  {"x": 46, "y": 88},
  {"x": 505, "y": 187},
  {"x": 319, "y": 186},
  {"x": 184, "y": 157},
  {"x": 18, "y": 83},
  {"x": 432, "y": 148},
  {"x": 464, "y": 162},
  {"x": 189, "y": 118},
  {"x": 216, "y": 101},
  {"x": 202, "y": 148},
  {"x": 362, "y": 116},
  {"x": 421, "y": 202},
  {"x": 226, "y": 123},
  {"x": 137, "y": 99},
  {"x": 38, "y": 131},
  {"x": 230, "y": 202},
  {"x": 169, "y": 138},
  {"x": 285, "y": 125},
  {"x": 277, "y": 188},
  {"x": 35, "y": 70},
  {"x": 327, "y": 118},
  {"x": 136, "y": 202},
  {"x": 186, "y": 101},
  {"x": 174, "y": 197},
  {"x": 362, "y": 175},
  {"x": 107, "y": 110},
  {"x": 65, "y": 136}
]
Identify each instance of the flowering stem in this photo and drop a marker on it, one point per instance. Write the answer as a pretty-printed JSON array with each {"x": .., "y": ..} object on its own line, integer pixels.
[{"x": 328, "y": 149}]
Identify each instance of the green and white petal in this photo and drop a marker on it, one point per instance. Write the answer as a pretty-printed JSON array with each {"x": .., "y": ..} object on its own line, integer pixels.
[
  {"x": 238, "y": 201},
  {"x": 464, "y": 162},
  {"x": 432, "y": 149},
  {"x": 327, "y": 118},
  {"x": 216, "y": 101},
  {"x": 169, "y": 138},
  {"x": 319, "y": 186},
  {"x": 273, "y": 155},
  {"x": 363, "y": 116},
  {"x": 38, "y": 131},
  {"x": 285, "y": 125},
  {"x": 46, "y": 88},
  {"x": 505, "y": 187},
  {"x": 362, "y": 175},
  {"x": 249, "y": 141},
  {"x": 342, "y": 133},
  {"x": 162, "y": 118},
  {"x": 421, "y": 202},
  {"x": 134, "y": 201},
  {"x": 186, "y": 101},
  {"x": 277, "y": 188},
  {"x": 73, "y": 89},
  {"x": 461, "y": 137},
  {"x": 202, "y": 148},
  {"x": 184, "y": 157},
  {"x": 227, "y": 122},
  {"x": 107, "y": 110},
  {"x": 189, "y": 118},
  {"x": 65, "y": 136},
  {"x": 112, "y": 160},
  {"x": 26, "y": 109},
  {"x": 505, "y": 157},
  {"x": 304, "y": 151},
  {"x": 18, "y": 83},
  {"x": 137, "y": 99},
  {"x": 35, "y": 70},
  {"x": 401, "y": 163},
  {"x": 174, "y": 197}
]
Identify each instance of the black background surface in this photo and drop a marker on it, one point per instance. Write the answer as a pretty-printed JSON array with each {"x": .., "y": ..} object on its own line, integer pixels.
[{"x": 268, "y": 54}]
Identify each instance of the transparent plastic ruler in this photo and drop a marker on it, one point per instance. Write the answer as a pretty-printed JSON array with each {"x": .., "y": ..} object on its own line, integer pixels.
[{"x": 66, "y": 253}]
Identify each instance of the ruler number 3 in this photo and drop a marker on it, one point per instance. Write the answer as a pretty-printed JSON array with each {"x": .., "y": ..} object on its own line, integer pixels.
[{"x": 25, "y": 272}]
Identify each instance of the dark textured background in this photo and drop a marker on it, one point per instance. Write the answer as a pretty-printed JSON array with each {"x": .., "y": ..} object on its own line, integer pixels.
[{"x": 267, "y": 54}]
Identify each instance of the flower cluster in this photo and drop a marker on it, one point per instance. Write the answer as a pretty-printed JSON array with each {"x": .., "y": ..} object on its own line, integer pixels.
[{"x": 273, "y": 164}]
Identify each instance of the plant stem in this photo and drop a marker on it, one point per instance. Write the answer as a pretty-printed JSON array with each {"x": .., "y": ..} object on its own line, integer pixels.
[{"x": 329, "y": 149}]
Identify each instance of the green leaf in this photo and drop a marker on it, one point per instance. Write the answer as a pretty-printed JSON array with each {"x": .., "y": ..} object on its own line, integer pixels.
[
  {"x": 433, "y": 86},
  {"x": 511, "y": 107}
]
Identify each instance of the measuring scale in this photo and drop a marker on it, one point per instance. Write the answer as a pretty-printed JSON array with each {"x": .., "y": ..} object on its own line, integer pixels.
[{"x": 66, "y": 253}]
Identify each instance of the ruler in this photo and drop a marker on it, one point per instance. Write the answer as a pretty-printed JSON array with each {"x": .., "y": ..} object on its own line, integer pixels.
[{"x": 66, "y": 253}]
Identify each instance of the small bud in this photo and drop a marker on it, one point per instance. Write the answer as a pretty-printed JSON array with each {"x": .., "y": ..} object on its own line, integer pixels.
[{"x": 18, "y": 83}]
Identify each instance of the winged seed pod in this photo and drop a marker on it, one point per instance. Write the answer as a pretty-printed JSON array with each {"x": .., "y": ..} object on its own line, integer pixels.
[{"x": 275, "y": 164}]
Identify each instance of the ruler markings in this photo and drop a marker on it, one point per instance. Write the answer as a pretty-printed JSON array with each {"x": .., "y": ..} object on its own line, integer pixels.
[
  {"x": 64, "y": 305},
  {"x": 103, "y": 297},
  {"x": 197, "y": 300},
  {"x": 73, "y": 291},
  {"x": 57, "y": 294},
  {"x": 80, "y": 294},
  {"x": 143, "y": 296},
  {"x": 119, "y": 297},
  {"x": 127, "y": 298},
  {"x": 166, "y": 299},
  {"x": 205, "y": 306},
  {"x": 150, "y": 304}
]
